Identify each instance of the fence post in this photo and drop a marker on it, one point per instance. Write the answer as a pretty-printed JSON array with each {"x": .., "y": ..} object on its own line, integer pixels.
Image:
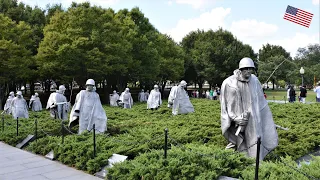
[
  {"x": 2, "y": 123},
  {"x": 17, "y": 126},
  {"x": 285, "y": 99},
  {"x": 94, "y": 140},
  {"x": 165, "y": 142},
  {"x": 36, "y": 129},
  {"x": 257, "y": 158},
  {"x": 62, "y": 132}
]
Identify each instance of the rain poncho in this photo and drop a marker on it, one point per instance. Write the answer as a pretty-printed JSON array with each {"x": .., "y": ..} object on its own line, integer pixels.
[
  {"x": 35, "y": 103},
  {"x": 126, "y": 99},
  {"x": 88, "y": 110},
  {"x": 181, "y": 102},
  {"x": 142, "y": 97},
  {"x": 172, "y": 95},
  {"x": 57, "y": 103},
  {"x": 114, "y": 98},
  {"x": 146, "y": 95},
  {"x": 238, "y": 96},
  {"x": 19, "y": 108},
  {"x": 154, "y": 100},
  {"x": 7, "y": 106}
]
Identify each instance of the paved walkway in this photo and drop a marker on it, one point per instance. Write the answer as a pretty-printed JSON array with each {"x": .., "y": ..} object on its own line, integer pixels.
[
  {"x": 283, "y": 102},
  {"x": 17, "y": 164}
]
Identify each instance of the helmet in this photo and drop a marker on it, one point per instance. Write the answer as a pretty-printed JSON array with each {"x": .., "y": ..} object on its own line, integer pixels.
[
  {"x": 36, "y": 94},
  {"x": 246, "y": 62},
  {"x": 127, "y": 89},
  {"x": 183, "y": 83},
  {"x": 62, "y": 88},
  {"x": 114, "y": 91},
  {"x": 19, "y": 93},
  {"x": 11, "y": 93},
  {"x": 90, "y": 82},
  {"x": 156, "y": 86}
]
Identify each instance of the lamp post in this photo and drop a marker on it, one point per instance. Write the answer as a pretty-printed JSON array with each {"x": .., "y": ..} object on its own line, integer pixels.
[{"x": 302, "y": 72}]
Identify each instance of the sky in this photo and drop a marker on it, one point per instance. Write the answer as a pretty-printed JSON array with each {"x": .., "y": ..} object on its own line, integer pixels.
[{"x": 254, "y": 22}]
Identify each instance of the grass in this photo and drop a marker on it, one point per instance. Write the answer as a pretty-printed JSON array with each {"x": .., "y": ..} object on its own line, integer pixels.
[{"x": 282, "y": 94}]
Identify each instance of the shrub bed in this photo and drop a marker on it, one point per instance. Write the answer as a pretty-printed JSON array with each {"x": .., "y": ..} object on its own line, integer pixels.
[{"x": 139, "y": 134}]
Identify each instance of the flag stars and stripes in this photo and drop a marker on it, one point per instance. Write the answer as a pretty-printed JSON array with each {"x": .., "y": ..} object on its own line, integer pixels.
[{"x": 298, "y": 16}]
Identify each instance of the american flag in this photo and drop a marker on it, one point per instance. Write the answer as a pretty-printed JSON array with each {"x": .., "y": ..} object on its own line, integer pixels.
[{"x": 298, "y": 16}]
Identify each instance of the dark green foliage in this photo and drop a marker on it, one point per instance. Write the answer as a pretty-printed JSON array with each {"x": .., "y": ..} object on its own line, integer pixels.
[
  {"x": 182, "y": 164},
  {"x": 279, "y": 170},
  {"x": 139, "y": 134}
]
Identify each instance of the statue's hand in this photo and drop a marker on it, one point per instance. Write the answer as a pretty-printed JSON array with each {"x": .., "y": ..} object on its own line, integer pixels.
[
  {"x": 245, "y": 115},
  {"x": 241, "y": 121}
]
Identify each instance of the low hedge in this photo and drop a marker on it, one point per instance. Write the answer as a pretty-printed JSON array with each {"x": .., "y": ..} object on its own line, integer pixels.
[{"x": 139, "y": 132}]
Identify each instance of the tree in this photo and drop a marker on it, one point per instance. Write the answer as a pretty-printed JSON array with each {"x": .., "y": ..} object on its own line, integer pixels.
[
  {"x": 171, "y": 60},
  {"x": 267, "y": 60},
  {"x": 213, "y": 55},
  {"x": 144, "y": 50},
  {"x": 15, "y": 57},
  {"x": 277, "y": 68},
  {"x": 309, "y": 58}
]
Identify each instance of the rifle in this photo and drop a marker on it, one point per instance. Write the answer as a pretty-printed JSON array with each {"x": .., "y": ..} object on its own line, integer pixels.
[{"x": 280, "y": 127}]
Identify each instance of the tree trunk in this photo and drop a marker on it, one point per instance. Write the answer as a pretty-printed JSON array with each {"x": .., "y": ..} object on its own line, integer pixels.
[
  {"x": 200, "y": 83},
  {"x": 106, "y": 93},
  {"x": 122, "y": 83},
  {"x": 163, "y": 85},
  {"x": 2, "y": 96},
  {"x": 31, "y": 87},
  {"x": 273, "y": 81}
]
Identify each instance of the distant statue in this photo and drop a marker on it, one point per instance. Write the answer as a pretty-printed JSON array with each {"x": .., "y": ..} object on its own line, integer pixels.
[
  {"x": 141, "y": 96},
  {"x": 126, "y": 99},
  {"x": 114, "y": 97},
  {"x": 7, "y": 107},
  {"x": 179, "y": 99},
  {"x": 57, "y": 104},
  {"x": 154, "y": 100},
  {"x": 245, "y": 113},
  {"x": 146, "y": 95},
  {"x": 19, "y": 107},
  {"x": 88, "y": 110},
  {"x": 35, "y": 103}
]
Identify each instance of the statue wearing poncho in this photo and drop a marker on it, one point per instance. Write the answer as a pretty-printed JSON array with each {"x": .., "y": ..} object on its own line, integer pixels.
[
  {"x": 7, "y": 107},
  {"x": 154, "y": 100},
  {"x": 57, "y": 103},
  {"x": 180, "y": 100},
  {"x": 126, "y": 99},
  {"x": 245, "y": 113},
  {"x": 19, "y": 107},
  {"x": 114, "y": 98},
  {"x": 35, "y": 103},
  {"x": 142, "y": 96},
  {"x": 88, "y": 110}
]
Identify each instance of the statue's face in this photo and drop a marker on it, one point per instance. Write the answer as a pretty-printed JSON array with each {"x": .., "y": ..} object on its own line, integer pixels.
[
  {"x": 89, "y": 88},
  {"x": 246, "y": 72}
]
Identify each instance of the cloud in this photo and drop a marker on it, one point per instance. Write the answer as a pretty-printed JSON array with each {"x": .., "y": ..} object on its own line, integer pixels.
[
  {"x": 315, "y": 2},
  {"x": 209, "y": 20},
  {"x": 252, "y": 29},
  {"x": 169, "y": 3},
  {"x": 299, "y": 40},
  {"x": 197, "y": 4}
]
